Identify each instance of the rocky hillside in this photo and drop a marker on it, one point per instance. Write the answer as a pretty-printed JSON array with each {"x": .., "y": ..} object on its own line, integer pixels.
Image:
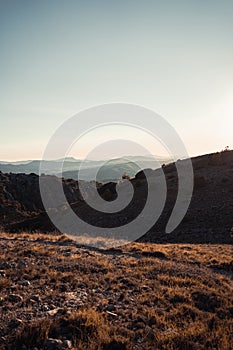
[
  {"x": 208, "y": 220},
  {"x": 20, "y": 196}
]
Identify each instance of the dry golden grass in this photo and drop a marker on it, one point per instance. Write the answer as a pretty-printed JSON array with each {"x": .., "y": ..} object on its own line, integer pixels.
[{"x": 140, "y": 296}]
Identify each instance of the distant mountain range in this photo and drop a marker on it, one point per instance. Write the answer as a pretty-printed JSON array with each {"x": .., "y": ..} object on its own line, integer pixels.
[{"x": 111, "y": 171}]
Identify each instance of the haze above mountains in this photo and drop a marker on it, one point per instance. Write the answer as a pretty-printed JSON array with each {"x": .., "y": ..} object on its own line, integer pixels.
[{"x": 112, "y": 170}]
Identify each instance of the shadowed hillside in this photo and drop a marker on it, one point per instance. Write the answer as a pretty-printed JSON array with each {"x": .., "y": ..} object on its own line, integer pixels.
[{"x": 208, "y": 220}]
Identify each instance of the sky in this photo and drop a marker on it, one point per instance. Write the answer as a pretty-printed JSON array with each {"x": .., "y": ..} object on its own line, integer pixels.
[{"x": 60, "y": 57}]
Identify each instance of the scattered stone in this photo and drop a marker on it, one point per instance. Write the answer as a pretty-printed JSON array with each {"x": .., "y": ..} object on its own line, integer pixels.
[
  {"x": 66, "y": 344},
  {"x": 52, "y": 344},
  {"x": 35, "y": 298},
  {"x": 144, "y": 287},
  {"x": 66, "y": 252},
  {"x": 111, "y": 313},
  {"x": 110, "y": 307},
  {"x": 54, "y": 311},
  {"x": 45, "y": 308},
  {"x": 15, "y": 298},
  {"x": 25, "y": 283}
]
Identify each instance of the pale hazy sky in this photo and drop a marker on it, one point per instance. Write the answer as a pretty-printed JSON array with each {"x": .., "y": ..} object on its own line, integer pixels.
[{"x": 60, "y": 57}]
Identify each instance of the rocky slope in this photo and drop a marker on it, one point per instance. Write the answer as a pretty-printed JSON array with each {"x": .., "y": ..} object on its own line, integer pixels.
[{"x": 20, "y": 196}]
